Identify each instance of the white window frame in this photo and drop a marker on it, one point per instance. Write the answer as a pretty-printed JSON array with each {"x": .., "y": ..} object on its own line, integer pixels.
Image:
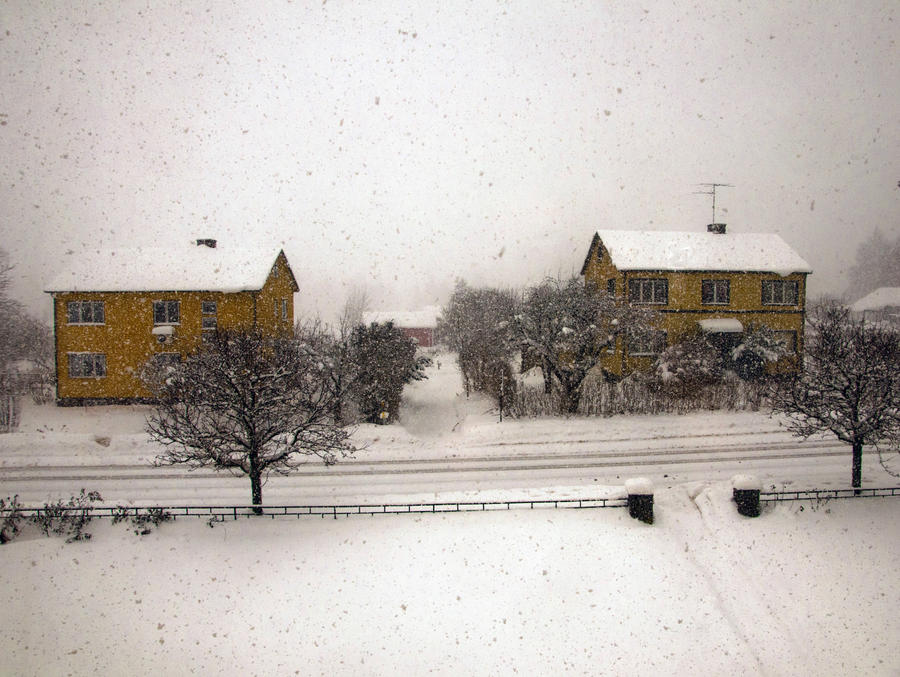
[
  {"x": 717, "y": 286},
  {"x": 168, "y": 306},
  {"x": 81, "y": 305},
  {"x": 284, "y": 310},
  {"x": 75, "y": 363},
  {"x": 770, "y": 286},
  {"x": 649, "y": 290}
]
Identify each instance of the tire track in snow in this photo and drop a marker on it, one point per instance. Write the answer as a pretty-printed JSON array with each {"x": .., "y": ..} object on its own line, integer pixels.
[{"x": 446, "y": 466}]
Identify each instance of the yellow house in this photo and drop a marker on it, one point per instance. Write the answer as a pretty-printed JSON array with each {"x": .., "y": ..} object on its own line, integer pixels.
[
  {"x": 116, "y": 311},
  {"x": 714, "y": 282}
]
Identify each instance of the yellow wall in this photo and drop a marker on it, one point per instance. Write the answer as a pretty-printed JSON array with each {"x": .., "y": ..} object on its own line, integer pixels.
[
  {"x": 126, "y": 337},
  {"x": 685, "y": 308}
]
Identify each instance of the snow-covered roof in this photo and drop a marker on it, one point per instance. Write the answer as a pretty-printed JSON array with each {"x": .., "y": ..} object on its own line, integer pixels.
[
  {"x": 721, "y": 325},
  {"x": 192, "y": 267},
  {"x": 883, "y": 297},
  {"x": 701, "y": 250},
  {"x": 409, "y": 319}
]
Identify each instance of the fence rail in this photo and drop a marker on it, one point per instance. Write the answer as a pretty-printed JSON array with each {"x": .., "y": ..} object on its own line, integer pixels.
[
  {"x": 233, "y": 512},
  {"x": 224, "y": 512},
  {"x": 825, "y": 494}
]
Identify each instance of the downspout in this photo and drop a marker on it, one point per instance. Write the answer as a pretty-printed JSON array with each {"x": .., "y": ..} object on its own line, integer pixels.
[
  {"x": 55, "y": 347},
  {"x": 624, "y": 339}
]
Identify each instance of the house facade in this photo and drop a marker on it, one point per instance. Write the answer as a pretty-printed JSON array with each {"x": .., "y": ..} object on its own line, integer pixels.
[
  {"x": 881, "y": 305},
  {"x": 418, "y": 325},
  {"x": 718, "y": 283},
  {"x": 115, "y": 312}
]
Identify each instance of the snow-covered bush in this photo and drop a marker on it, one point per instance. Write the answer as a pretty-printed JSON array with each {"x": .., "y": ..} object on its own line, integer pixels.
[
  {"x": 687, "y": 366},
  {"x": 759, "y": 346},
  {"x": 11, "y": 513},
  {"x": 68, "y": 519},
  {"x": 142, "y": 523}
]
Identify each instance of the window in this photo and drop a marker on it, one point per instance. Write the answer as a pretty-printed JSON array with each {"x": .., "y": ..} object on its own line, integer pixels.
[
  {"x": 652, "y": 343},
  {"x": 611, "y": 287},
  {"x": 789, "y": 340},
  {"x": 166, "y": 312},
  {"x": 779, "y": 292},
  {"x": 284, "y": 309},
  {"x": 275, "y": 270},
  {"x": 208, "y": 322},
  {"x": 166, "y": 360},
  {"x": 716, "y": 291},
  {"x": 276, "y": 309},
  {"x": 85, "y": 312},
  {"x": 87, "y": 365},
  {"x": 648, "y": 290}
]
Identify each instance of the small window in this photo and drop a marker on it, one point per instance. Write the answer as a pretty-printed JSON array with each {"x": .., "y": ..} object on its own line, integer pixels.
[
  {"x": 208, "y": 307},
  {"x": 648, "y": 290},
  {"x": 716, "y": 292},
  {"x": 85, "y": 312},
  {"x": 275, "y": 270},
  {"x": 87, "y": 365},
  {"x": 779, "y": 292},
  {"x": 611, "y": 287},
  {"x": 166, "y": 312},
  {"x": 209, "y": 324},
  {"x": 652, "y": 343},
  {"x": 284, "y": 314},
  {"x": 276, "y": 309}
]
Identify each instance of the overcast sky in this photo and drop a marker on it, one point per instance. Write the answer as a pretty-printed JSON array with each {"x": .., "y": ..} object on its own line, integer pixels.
[{"x": 400, "y": 145}]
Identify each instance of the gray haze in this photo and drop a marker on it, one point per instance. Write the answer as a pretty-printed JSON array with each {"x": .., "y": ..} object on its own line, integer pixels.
[{"x": 400, "y": 145}]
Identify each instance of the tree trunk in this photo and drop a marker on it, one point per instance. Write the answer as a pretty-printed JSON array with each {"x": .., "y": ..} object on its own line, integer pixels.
[
  {"x": 548, "y": 377},
  {"x": 570, "y": 399},
  {"x": 857, "y": 466},
  {"x": 256, "y": 483}
]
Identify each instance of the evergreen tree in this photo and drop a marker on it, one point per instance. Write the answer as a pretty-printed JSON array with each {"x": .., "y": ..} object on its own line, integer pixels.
[{"x": 385, "y": 360}]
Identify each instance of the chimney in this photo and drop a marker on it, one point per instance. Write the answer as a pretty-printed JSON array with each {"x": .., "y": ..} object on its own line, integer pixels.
[
  {"x": 209, "y": 242},
  {"x": 717, "y": 228}
]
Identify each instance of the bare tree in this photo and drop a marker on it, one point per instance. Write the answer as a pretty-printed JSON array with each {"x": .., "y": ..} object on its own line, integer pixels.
[
  {"x": 475, "y": 324},
  {"x": 849, "y": 386},
  {"x": 567, "y": 327},
  {"x": 247, "y": 403}
]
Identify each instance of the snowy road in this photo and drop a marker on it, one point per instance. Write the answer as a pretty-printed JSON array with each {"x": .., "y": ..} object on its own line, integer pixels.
[{"x": 581, "y": 472}]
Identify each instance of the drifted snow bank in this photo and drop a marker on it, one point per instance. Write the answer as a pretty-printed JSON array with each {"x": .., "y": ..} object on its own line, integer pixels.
[{"x": 804, "y": 589}]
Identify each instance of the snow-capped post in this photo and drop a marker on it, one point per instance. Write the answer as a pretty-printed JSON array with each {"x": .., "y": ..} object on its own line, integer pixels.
[
  {"x": 640, "y": 499},
  {"x": 746, "y": 494}
]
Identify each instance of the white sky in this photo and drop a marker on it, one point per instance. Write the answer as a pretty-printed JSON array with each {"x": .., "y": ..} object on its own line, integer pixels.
[{"x": 398, "y": 145}]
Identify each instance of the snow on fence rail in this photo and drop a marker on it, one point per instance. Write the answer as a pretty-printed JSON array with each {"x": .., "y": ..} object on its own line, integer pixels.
[
  {"x": 234, "y": 512},
  {"x": 825, "y": 494},
  {"x": 223, "y": 512}
]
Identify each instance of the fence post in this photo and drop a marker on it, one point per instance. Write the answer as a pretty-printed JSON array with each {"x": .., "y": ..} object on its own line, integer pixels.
[
  {"x": 746, "y": 494},
  {"x": 640, "y": 499}
]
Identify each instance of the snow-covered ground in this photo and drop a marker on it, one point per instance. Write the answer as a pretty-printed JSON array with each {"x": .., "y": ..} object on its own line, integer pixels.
[
  {"x": 802, "y": 590},
  {"x": 806, "y": 588}
]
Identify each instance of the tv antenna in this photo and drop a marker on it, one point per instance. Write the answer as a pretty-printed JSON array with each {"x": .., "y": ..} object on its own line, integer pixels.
[{"x": 712, "y": 191}]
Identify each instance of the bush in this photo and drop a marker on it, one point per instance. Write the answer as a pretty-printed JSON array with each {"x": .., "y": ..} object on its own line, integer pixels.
[
  {"x": 759, "y": 346},
  {"x": 68, "y": 519},
  {"x": 642, "y": 394},
  {"x": 141, "y": 523},
  {"x": 11, "y": 510},
  {"x": 686, "y": 367}
]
